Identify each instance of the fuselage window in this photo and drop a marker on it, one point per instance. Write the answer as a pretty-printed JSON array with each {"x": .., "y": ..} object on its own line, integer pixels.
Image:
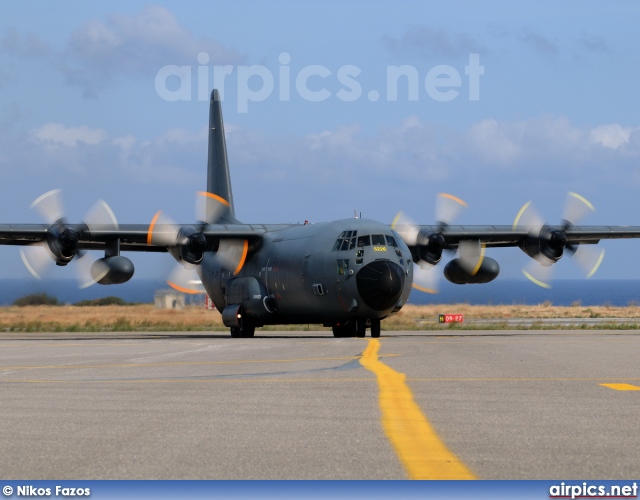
[{"x": 343, "y": 266}]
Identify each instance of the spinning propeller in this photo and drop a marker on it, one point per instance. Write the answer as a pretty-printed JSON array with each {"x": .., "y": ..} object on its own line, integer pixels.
[
  {"x": 61, "y": 245},
  {"x": 546, "y": 244},
  {"x": 429, "y": 245},
  {"x": 187, "y": 244}
]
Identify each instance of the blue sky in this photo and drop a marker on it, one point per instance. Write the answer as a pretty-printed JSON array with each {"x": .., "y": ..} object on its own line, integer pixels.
[{"x": 555, "y": 110}]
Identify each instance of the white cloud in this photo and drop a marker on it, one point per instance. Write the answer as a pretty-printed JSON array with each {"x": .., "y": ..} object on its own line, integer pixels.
[
  {"x": 611, "y": 136},
  {"x": 492, "y": 143},
  {"x": 58, "y": 133},
  {"x": 136, "y": 45}
]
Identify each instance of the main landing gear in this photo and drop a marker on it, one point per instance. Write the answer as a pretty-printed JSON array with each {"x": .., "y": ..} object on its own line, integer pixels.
[
  {"x": 357, "y": 327},
  {"x": 246, "y": 329}
]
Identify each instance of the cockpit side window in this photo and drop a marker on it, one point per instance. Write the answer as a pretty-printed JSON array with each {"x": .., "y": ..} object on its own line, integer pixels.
[
  {"x": 346, "y": 241},
  {"x": 391, "y": 241}
]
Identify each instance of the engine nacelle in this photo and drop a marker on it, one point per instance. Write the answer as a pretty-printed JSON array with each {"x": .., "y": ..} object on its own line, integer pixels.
[
  {"x": 112, "y": 270},
  {"x": 547, "y": 246},
  {"x": 455, "y": 272}
]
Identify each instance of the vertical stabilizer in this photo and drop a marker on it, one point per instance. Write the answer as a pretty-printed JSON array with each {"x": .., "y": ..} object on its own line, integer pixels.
[{"x": 218, "y": 180}]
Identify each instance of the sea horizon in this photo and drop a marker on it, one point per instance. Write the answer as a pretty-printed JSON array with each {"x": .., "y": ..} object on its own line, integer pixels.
[{"x": 500, "y": 292}]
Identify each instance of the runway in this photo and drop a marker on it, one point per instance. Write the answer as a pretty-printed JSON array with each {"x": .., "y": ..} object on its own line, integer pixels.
[{"x": 304, "y": 405}]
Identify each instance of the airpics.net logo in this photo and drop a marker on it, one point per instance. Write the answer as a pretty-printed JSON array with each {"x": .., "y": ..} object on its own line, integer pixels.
[{"x": 257, "y": 83}]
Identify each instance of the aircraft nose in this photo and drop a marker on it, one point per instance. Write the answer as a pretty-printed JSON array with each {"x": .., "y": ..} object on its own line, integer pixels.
[{"x": 380, "y": 284}]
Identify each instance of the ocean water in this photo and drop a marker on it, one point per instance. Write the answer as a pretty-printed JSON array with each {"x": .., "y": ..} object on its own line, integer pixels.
[{"x": 563, "y": 292}]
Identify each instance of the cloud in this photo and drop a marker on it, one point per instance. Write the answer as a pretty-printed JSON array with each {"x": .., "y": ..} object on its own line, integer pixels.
[
  {"x": 430, "y": 42},
  {"x": 136, "y": 45},
  {"x": 57, "y": 133},
  {"x": 593, "y": 43},
  {"x": 611, "y": 136},
  {"x": 29, "y": 45},
  {"x": 537, "y": 41},
  {"x": 392, "y": 166}
]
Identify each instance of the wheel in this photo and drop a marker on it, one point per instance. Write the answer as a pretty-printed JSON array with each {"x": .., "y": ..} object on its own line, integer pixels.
[
  {"x": 375, "y": 328},
  {"x": 360, "y": 327},
  {"x": 340, "y": 331},
  {"x": 245, "y": 330}
]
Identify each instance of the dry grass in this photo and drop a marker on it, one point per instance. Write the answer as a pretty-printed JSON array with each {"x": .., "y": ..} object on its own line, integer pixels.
[
  {"x": 108, "y": 318},
  {"x": 147, "y": 317},
  {"x": 407, "y": 317}
]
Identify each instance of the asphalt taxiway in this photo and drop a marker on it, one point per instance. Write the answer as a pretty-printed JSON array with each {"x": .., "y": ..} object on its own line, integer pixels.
[{"x": 304, "y": 405}]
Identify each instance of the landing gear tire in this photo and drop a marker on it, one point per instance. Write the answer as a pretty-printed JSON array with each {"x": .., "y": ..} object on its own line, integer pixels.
[
  {"x": 360, "y": 327},
  {"x": 375, "y": 328},
  {"x": 341, "y": 331},
  {"x": 247, "y": 329}
]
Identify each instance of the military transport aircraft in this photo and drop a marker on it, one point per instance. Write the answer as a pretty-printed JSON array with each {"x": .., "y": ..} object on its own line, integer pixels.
[{"x": 347, "y": 274}]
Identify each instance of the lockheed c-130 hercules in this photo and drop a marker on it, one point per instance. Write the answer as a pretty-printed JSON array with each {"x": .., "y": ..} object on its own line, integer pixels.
[{"x": 347, "y": 274}]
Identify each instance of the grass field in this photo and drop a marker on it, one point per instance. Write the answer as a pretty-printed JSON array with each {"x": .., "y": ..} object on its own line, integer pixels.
[{"x": 146, "y": 317}]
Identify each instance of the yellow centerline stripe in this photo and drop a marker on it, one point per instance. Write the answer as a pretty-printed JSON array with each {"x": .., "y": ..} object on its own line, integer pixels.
[
  {"x": 622, "y": 387},
  {"x": 416, "y": 443}
]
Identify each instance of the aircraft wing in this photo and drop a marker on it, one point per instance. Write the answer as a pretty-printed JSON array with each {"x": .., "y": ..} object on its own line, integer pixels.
[
  {"x": 132, "y": 237},
  {"x": 507, "y": 236}
]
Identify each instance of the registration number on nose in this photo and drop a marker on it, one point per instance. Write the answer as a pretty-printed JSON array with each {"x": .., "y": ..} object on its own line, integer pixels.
[{"x": 379, "y": 249}]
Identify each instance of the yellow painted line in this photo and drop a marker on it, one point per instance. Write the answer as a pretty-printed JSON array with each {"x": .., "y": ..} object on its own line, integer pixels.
[
  {"x": 622, "y": 387},
  {"x": 419, "y": 448}
]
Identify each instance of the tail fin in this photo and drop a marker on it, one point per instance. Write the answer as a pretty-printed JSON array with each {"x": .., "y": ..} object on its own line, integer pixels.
[{"x": 218, "y": 180}]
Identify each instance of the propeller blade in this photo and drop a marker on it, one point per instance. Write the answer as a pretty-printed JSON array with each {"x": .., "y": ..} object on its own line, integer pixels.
[
  {"x": 538, "y": 273},
  {"x": 426, "y": 278},
  {"x": 528, "y": 217},
  {"x": 406, "y": 228},
  {"x": 89, "y": 270},
  {"x": 210, "y": 207},
  {"x": 231, "y": 254},
  {"x": 471, "y": 255},
  {"x": 576, "y": 208},
  {"x": 49, "y": 206},
  {"x": 100, "y": 216},
  {"x": 185, "y": 279},
  {"x": 37, "y": 259},
  {"x": 162, "y": 230},
  {"x": 588, "y": 259},
  {"x": 448, "y": 208}
]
